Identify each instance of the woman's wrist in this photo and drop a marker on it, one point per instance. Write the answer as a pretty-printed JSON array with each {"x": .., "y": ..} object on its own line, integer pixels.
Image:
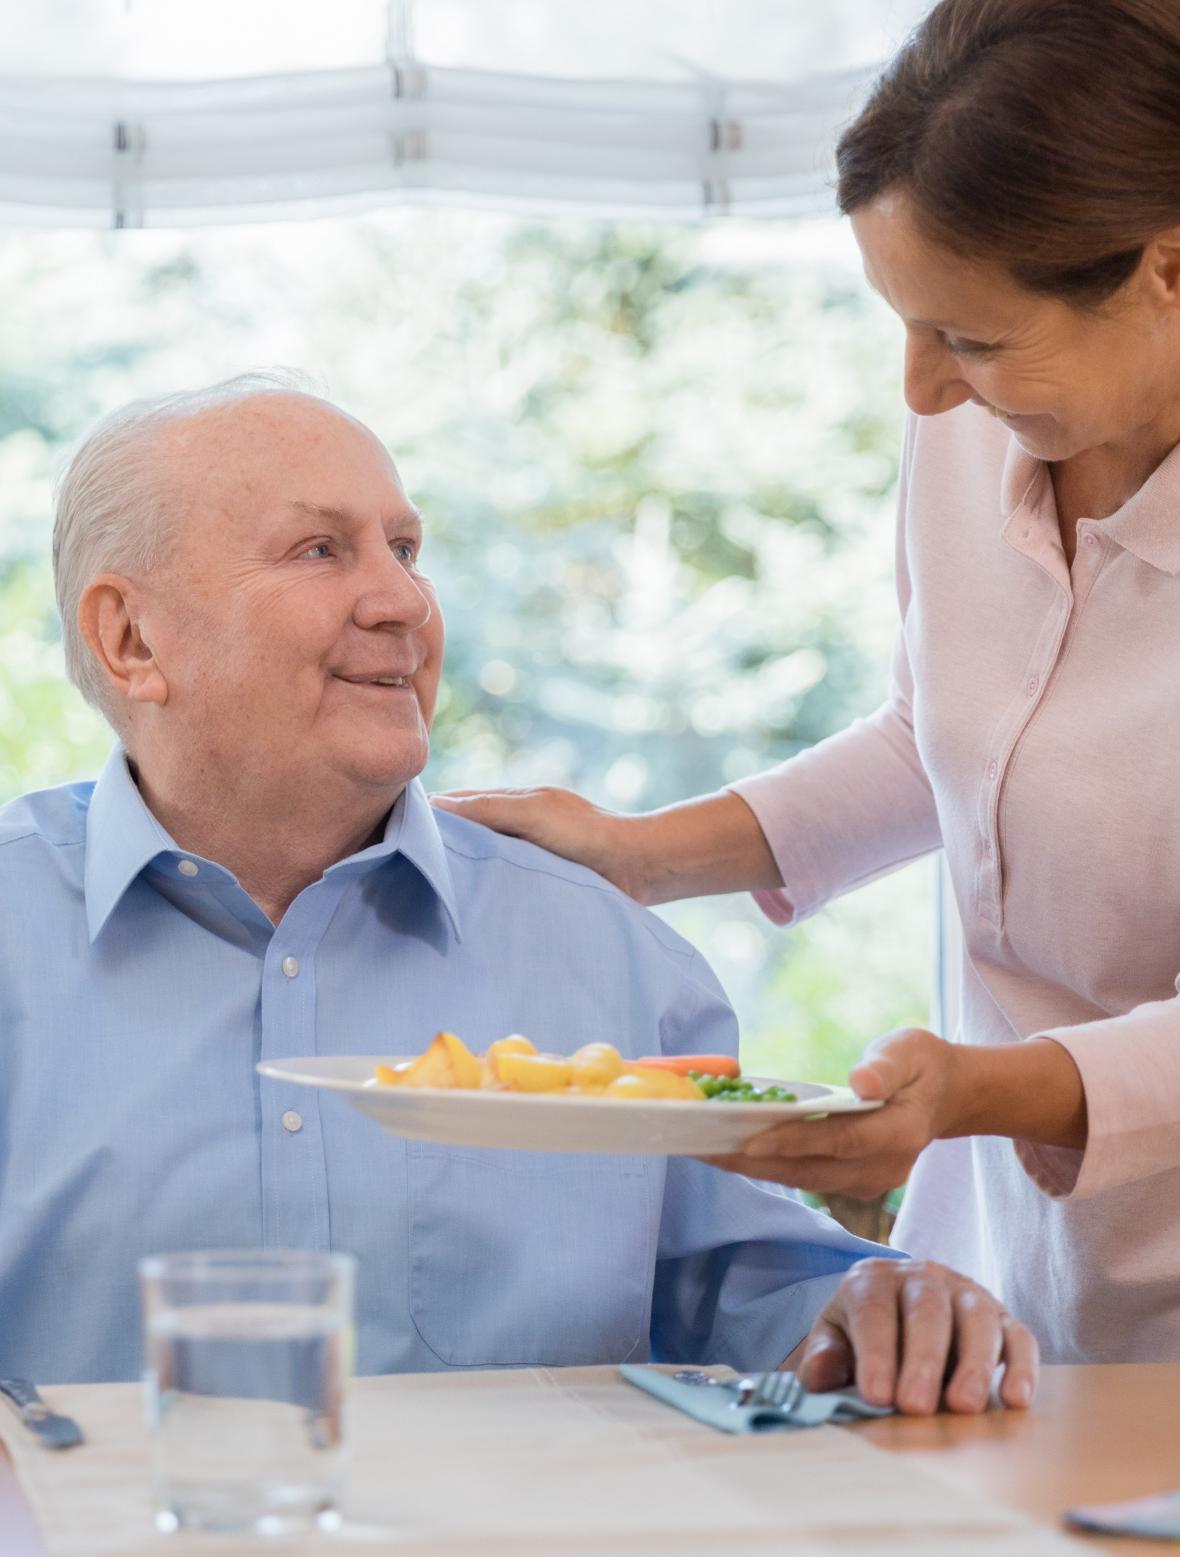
[{"x": 1030, "y": 1091}]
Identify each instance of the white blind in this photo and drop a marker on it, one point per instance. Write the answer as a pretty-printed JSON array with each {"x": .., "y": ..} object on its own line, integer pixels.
[{"x": 171, "y": 112}]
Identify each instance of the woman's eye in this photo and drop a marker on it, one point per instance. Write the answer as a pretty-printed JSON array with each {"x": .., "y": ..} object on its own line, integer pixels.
[{"x": 969, "y": 348}]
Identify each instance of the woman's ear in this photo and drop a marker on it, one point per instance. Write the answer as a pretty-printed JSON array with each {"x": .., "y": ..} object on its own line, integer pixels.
[
  {"x": 1161, "y": 261},
  {"x": 110, "y": 620}
]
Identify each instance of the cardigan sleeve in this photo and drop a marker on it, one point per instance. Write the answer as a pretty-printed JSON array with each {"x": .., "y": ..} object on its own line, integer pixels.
[{"x": 1130, "y": 1069}]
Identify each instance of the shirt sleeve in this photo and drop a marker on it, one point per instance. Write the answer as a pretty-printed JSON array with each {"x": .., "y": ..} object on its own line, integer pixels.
[
  {"x": 856, "y": 805},
  {"x": 1130, "y": 1069},
  {"x": 742, "y": 1268}
]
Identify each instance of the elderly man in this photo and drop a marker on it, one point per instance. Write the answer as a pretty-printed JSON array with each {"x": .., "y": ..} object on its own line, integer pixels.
[{"x": 257, "y": 873}]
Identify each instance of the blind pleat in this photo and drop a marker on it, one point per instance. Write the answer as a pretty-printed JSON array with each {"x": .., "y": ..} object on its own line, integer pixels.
[{"x": 95, "y": 153}]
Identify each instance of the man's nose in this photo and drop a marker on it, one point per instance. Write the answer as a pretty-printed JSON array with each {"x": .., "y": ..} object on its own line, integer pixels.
[
  {"x": 392, "y": 596},
  {"x": 932, "y": 381}
]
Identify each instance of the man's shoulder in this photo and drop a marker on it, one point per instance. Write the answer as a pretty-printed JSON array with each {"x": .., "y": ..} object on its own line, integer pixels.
[
  {"x": 567, "y": 887},
  {"x": 45, "y": 818}
]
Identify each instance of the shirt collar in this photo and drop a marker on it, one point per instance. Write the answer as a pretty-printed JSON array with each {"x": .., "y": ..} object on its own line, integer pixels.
[
  {"x": 1148, "y": 523},
  {"x": 123, "y": 838},
  {"x": 412, "y": 831}
]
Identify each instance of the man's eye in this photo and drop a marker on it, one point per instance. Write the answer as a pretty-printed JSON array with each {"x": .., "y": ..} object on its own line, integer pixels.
[
  {"x": 324, "y": 548},
  {"x": 403, "y": 551}
]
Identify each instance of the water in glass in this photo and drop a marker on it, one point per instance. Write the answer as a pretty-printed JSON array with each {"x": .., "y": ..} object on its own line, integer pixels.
[{"x": 246, "y": 1400}]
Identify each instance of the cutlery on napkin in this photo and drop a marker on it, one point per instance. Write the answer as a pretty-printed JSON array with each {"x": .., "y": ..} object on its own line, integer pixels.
[
  {"x": 723, "y": 1404},
  {"x": 50, "y": 1429}
]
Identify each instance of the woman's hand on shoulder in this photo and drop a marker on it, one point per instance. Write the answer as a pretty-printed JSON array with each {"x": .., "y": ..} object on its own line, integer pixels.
[{"x": 562, "y": 822}]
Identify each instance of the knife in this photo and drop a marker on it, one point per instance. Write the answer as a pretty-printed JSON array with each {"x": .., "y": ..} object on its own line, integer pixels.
[{"x": 52, "y": 1430}]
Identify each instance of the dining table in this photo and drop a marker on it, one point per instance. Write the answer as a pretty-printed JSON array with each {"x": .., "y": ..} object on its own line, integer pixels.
[{"x": 575, "y": 1461}]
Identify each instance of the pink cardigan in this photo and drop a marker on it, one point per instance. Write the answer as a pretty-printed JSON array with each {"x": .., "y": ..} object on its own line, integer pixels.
[{"x": 1033, "y": 731}]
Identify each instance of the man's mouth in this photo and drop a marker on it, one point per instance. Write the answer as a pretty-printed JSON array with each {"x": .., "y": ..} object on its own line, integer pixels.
[{"x": 376, "y": 681}]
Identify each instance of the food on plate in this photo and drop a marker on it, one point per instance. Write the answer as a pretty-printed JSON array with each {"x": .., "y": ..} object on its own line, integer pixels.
[
  {"x": 693, "y": 1064},
  {"x": 651, "y": 1083},
  {"x": 734, "y": 1089},
  {"x": 513, "y": 1064},
  {"x": 534, "y": 1072}
]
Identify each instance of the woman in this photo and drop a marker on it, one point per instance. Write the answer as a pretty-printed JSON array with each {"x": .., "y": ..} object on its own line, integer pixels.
[{"x": 1014, "y": 186}]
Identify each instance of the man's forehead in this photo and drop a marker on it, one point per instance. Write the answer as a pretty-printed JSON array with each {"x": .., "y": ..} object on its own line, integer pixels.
[
  {"x": 280, "y": 458},
  {"x": 400, "y": 511}
]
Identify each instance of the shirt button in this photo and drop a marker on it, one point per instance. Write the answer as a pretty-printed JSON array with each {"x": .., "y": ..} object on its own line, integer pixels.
[
  {"x": 993, "y": 768},
  {"x": 1089, "y": 540},
  {"x": 188, "y": 867},
  {"x": 290, "y": 966},
  {"x": 292, "y": 1122},
  {"x": 1032, "y": 687}
]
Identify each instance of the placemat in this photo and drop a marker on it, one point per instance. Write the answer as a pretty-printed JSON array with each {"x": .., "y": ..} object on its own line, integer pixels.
[{"x": 535, "y": 1463}]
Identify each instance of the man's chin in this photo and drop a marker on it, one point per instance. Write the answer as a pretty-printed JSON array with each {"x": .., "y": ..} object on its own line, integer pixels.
[{"x": 386, "y": 772}]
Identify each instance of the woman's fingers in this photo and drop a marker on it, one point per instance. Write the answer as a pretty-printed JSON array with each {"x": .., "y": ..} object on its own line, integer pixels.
[
  {"x": 843, "y": 1137},
  {"x": 850, "y": 1154},
  {"x": 817, "y": 1175},
  {"x": 557, "y": 820},
  {"x": 503, "y": 810},
  {"x": 862, "y": 1154}
]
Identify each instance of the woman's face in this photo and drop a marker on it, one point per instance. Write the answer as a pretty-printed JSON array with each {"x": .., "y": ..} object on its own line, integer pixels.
[{"x": 1063, "y": 379}]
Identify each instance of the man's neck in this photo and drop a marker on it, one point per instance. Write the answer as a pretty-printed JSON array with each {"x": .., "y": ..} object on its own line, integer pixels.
[{"x": 275, "y": 845}]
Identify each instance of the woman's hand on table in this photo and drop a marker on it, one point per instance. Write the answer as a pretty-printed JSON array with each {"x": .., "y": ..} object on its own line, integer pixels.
[
  {"x": 930, "y": 1090},
  {"x": 916, "y": 1335}
]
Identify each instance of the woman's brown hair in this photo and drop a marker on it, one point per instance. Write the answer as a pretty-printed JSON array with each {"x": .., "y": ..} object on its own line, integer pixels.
[{"x": 1043, "y": 135}]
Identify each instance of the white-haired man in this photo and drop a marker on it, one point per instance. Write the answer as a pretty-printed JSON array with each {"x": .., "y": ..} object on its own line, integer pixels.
[{"x": 257, "y": 872}]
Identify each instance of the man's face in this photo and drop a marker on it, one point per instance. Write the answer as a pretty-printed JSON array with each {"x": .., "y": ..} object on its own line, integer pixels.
[{"x": 300, "y": 644}]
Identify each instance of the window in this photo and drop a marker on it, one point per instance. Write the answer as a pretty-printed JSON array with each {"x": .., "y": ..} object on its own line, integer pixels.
[{"x": 656, "y": 463}]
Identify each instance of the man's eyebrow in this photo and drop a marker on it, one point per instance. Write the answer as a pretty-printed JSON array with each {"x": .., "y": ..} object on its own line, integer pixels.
[{"x": 345, "y": 517}]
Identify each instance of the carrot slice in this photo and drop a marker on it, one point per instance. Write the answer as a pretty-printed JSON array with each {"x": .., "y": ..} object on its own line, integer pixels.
[{"x": 707, "y": 1064}]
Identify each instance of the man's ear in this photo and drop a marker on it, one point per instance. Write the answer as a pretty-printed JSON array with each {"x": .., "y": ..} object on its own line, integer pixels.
[{"x": 109, "y": 616}]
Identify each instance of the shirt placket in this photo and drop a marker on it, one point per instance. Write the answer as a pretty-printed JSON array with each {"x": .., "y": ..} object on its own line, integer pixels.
[
  {"x": 294, "y": 1182},
  {"x": 1036, "y": 536}
]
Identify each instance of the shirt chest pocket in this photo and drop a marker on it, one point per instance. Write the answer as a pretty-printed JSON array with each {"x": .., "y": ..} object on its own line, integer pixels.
[{"x": 523, "y": 1258}]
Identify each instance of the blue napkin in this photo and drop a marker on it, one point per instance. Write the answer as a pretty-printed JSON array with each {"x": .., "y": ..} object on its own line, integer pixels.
[
  {"x": 1157, "y": 1517},
  {"x": 717, "y": 1404}
]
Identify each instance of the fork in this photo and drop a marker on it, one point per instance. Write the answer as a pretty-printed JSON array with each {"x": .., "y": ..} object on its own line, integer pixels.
[{"x": 775, "y": 1391}]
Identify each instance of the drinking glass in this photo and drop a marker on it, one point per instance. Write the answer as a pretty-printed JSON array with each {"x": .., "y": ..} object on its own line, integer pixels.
[{"x": 248, "y": 1357}]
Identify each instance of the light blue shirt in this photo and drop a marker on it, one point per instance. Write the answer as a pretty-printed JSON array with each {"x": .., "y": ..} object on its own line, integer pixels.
[{"x": 140, "y": 985}]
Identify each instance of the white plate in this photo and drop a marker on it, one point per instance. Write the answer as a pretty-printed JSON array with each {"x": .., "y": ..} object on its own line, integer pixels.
[{"x": 537, "y": 1122}]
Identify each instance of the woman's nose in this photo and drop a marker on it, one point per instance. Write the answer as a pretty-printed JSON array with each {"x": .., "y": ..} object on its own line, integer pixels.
[{"x": 932, "y": 381}]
